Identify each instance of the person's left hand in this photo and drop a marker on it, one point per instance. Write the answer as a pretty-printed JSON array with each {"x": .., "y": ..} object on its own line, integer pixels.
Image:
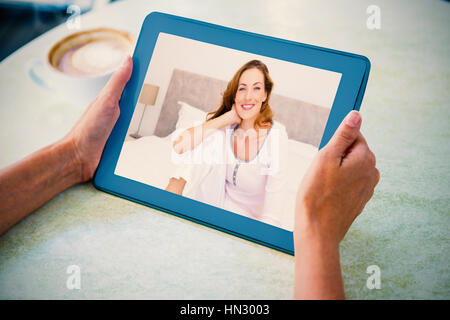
[{"x": 89, "y": 135}]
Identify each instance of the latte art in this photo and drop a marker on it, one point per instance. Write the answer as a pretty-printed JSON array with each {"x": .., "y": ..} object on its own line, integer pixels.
[
  {"x": 91, "y": 53},
  {"x": 94, "y": 58}
]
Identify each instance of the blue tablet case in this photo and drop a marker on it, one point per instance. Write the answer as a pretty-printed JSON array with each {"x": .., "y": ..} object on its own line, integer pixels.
[{"x": 355, "y": 72}]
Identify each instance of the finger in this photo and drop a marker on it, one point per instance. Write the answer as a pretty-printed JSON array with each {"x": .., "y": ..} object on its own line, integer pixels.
[
  {"x": 119, "y": 79},
  {"x": 361, "y": 138},
  {"x": 372, "y": 159},
  {"x": 345, "y": 135},
  {"x": 358, "y": 153},
  {"x": 361, "y": 152},
  {"x": 377, "y": 177},
  {"x": 359, "y": 141}
]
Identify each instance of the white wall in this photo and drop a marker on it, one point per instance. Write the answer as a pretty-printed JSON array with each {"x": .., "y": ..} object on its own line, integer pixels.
[{"x": 291, "y": 80}]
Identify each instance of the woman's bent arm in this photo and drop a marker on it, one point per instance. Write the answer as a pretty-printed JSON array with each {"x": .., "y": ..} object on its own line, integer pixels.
[{"x": 194, "y": 136}]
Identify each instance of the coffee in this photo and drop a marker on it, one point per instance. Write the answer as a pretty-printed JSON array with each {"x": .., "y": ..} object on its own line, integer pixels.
[{"x": 91, "y": 53}]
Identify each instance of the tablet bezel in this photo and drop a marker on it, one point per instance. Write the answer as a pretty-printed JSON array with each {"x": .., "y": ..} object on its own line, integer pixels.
[{"x": 354, "y": 69}]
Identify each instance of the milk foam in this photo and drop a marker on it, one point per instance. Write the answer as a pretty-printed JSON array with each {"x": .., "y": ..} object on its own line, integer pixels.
[{"x": 94, "y": 58}]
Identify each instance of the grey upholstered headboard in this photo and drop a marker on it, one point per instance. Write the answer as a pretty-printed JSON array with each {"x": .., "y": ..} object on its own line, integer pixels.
[{"x": 304, "y": 121}]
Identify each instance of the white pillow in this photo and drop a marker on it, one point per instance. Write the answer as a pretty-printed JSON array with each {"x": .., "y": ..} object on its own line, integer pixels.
[{"x": 189, "y": 116}]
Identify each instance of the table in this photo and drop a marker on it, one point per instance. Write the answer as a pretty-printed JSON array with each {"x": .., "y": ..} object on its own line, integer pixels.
[{"x": 126, "y": 250}]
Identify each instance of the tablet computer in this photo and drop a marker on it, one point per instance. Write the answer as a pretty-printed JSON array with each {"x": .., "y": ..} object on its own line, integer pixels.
[{"x": 269, "y": 105}]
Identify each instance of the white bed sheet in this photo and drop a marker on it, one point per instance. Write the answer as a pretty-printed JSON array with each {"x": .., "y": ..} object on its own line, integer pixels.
[{"x": 148, "y": 160}]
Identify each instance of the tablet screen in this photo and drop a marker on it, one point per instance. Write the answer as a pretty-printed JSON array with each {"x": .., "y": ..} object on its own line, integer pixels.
[{"x": 228, "y": 128}]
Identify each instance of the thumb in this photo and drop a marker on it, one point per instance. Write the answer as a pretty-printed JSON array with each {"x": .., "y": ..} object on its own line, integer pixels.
[
  {"x": 346, "y": 134},
  {"x": 119, "y": 79}
]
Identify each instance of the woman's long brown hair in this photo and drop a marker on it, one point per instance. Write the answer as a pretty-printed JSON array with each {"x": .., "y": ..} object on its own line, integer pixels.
[{"x": 265, "y": 114}]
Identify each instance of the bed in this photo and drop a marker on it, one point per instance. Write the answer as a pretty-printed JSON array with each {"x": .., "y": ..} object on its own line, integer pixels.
[{"x": 148, "y": 159}]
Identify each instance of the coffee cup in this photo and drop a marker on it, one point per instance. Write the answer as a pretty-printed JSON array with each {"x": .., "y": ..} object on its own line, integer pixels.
[{"x": 80, "y": 64}]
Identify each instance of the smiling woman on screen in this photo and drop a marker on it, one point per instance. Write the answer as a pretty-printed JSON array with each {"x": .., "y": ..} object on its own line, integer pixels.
[{"x": 250, "y": 150}]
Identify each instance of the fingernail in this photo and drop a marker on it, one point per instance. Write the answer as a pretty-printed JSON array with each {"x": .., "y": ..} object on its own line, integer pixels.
[{"x": 354, "y": 119}]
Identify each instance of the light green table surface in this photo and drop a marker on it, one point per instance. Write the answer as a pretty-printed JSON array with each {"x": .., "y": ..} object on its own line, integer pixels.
[{"x": 126, "y": 250}]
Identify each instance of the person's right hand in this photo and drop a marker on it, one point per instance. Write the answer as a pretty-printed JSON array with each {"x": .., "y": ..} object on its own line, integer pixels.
[
  {"x": 337, "y": 186},
  {"x": 192, "y": 137},
  {"x": 232, "y": 116}
]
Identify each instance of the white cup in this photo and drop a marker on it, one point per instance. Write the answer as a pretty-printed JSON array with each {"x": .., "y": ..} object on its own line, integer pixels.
[{"x": 78, "y": 87}]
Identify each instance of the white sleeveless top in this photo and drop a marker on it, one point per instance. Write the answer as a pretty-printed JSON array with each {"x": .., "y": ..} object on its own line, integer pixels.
[
  {"x": 255, "y": 189},
  {"x": 245, "y": 186}
]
